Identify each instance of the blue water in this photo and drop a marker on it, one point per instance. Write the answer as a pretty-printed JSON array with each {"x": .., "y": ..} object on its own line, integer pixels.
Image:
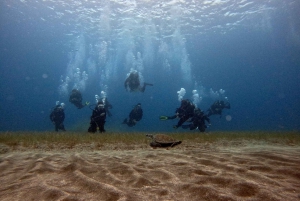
[{"x": 247, "y": 51}]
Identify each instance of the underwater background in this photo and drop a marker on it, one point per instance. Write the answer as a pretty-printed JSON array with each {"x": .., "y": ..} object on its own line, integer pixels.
[{"x": 245, "y": 51}]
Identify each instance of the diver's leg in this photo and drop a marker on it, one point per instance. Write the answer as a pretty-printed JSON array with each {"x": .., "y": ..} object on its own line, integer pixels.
[
  {"x": 181, "y": 121},
  {"x": 202, "y": 127},
  {"x": 93, "y": 127},
  {"x": 101, "y": 127},
  {"x": 131, "y": 123},
  {"x": 56, "y": 126},
  {"x": 79, "y": 105},
  {"x": 185, "y": 126},
  {"x": 144, "y": 86},
  {"x": 193, "y": 126},
  {"x": 62, "y": 127},
  {"x": 145, "y": 83}
]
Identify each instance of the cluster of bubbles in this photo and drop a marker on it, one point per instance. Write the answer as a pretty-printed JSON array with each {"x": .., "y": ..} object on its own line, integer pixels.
[
  {"x": 185, "y": 66},
  {"x": 216, "y": 94},
  {"x": 63, "y": 87},
  {"x": 91, "y": 66},
  {"x": 139, "y": 62},
  {"x": 166, "y": 65},
  {"x": 57, "y": 103},
  {"x": 134, "y": 62},
  {"x": 130, "y": 60},
  {"x": 80, "y": 79},
  {"x": 79, "y": 82},
  {"x": 97, "y": 97},
  {"x": 74, "y": 75},
  {"x": 103, "y": 53},
  {"x": 102, "y": 57},
  {"x": 164, "y": 55},
  {"x": 181, "y": 93},
  {"x": 196, "y": 97},
  {"x": 180, "y": 54},
  {"x": 102, "y": 97}
]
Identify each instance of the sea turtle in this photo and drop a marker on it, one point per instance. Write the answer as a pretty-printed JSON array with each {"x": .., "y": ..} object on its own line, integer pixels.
[{"x": 161, "y": 140}]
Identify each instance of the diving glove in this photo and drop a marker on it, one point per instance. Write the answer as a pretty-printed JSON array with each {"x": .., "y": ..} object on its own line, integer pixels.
[
  {"x": 87, "y": 103},
  {"x": 163, "y": 118}
]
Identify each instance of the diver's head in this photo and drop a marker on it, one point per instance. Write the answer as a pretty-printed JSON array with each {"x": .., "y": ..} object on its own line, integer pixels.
[
  {"x": 100, "y": 104},
  {"x": 137, "y": 106},
  {"x": 59, "y": 108},
  {"x": 62, "y": 105},
  {"x": 184, "y": 102},
  {"x": 135, "y": 74}
]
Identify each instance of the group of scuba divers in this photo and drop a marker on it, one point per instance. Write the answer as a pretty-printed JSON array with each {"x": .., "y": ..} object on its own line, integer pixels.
[{"x": 187, "y": 112}]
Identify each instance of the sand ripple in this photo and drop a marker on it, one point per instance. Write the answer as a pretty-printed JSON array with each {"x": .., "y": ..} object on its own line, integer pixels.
[{"x": 240, "y": 173}]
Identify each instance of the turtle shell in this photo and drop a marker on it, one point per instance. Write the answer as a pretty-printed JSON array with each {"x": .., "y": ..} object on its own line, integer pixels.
[{"x": 161, "y": 140}]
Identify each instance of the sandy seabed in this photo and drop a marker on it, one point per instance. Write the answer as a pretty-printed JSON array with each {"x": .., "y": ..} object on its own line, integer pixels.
[{"x": 194, "y": 172}]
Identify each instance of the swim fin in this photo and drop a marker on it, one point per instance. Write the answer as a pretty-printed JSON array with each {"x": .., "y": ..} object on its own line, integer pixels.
[
  {"x": 163, "y": 118},
  {"x": 145, "y": 83}
]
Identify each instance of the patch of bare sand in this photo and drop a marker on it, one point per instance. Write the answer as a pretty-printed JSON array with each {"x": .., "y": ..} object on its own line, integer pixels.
[{"x": 187, "y": 172}]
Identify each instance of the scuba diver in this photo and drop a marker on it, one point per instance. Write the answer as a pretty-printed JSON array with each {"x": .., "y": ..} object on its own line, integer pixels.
[
  {"x": 132, "y": 82},
  {"x": 107, "y": 106},
  {"x": 57, "y": 117},
  {"x": 76, "y": 99},
  {"x": 217, "y": 107},
  {"x": 184, "y": 112},
  {"x": 98, "y": 118},
  {"x": 198, "y": 121},
  {"x": 135, "y": 115}
]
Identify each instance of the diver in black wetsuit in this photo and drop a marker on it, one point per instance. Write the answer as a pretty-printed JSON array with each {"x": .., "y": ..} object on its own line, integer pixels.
[
  {"x": 217, "y": 108},
  {"x": 198, "y": 121},
  {"x": 132, "y": 83},
  {"x": 76, "y": 99},
  {"x": 98, "y": 118},
  {"x": 184, "y": 112},
  {"x": 57, "y": 117},
  {"x": 135, "y": 115}
]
